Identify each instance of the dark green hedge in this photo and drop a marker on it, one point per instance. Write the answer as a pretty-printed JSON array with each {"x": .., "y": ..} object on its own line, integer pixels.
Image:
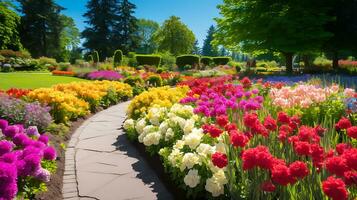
[
  {"x": 153, "y": 60},
  {"x": 118, "y": 57},
  {"x": 187, "y": 60},
  {"x": 206, "y": 61},
  {"x": 221, "y": 60}
]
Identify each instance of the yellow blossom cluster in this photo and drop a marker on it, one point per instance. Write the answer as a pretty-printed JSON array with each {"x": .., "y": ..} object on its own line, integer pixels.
[{"x": 162, "y": 96}]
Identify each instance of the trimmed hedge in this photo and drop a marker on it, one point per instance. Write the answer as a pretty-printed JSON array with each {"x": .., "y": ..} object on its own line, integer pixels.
[
  {"x": 206, "y": 61},
  {"x": 187, "y": 60},
  {"x": 153, "y": 60},
  {"x": 221, "y": 60},
  {"x": 118, "y": 57}
]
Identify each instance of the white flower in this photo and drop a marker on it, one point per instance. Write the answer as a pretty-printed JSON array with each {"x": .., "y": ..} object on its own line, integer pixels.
[
  {"x": 214, "y": 187},
  {"x": 205, "y": 149},
  {"x": 175, "y": 157},
  {"x": 169, "y": 134},
  {"x": 194, "y": 138},
  {"x": 154, "y": 115},
  {"x": 220, "y": 177},
  {"x": 179, "y": 144},
  {"x": 129, "y": 124},
  {"x": 152, "y": 138},
  {"x": 140, "y": 125},
  {"x": 189, "y": 160},
  {"x": 163, "y": 127},
  {"x": 189, "y": 125},
  {"x": 192, "y": 179},
  {"x": 220, "y": 147}
]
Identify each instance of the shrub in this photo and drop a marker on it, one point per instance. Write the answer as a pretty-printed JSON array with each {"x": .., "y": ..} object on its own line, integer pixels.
[
  {"x": 154, "y": 81},
  {"x": 64, "y": 66},
  {"x": 62, "y": 73},
  {"x": 105, "y": 66},
  {"x": 43, "y": 61},
  {"x": 136, "y": 83},
  {"x": 95, "y": 57},
  {"x": 182, "y": 61},
  {"x": 168, "y": 61},
  {"x": 206, "y": 61},
  {"x": 15, "y": 54},
  {"x": 221, "y": 60},
  {"x": 118, "y": 57},
  {"x": 153, "y": 60},
  {"x": 321, "y": 64}
]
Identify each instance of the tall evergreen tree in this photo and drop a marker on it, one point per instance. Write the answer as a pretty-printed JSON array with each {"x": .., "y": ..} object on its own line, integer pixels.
[
  {"x": 125, "y": 27},
  {"x": 41, "y": 27},
  {"x": 196, "y": 49},
  {"x": 208, "y": 49},
  {"x": 101, "y": 18}
]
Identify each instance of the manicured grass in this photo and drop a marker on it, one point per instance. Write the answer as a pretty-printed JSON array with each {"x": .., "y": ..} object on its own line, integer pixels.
[{"x": 32, "y": 80}]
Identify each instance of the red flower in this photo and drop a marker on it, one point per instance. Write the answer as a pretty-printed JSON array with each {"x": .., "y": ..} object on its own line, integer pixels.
[
  {"x": 257, "y": 157},
  {"x": 270, "y": 123},
  {"x": 351, "y": 158},
  {"x": 344, "y": 123},
  {"x": 302, "y": 148},
  {"x": 335, "y": 188},
  {"x": 268, "y": 186},
  {"x": 294, "y": 122},
  {"x": 258, "y": 128},
  {"x": 219, "y": 159},
  {"x": 287, "y": 129},
  {"x": 238, "y": 139},
  {"x": 320, "y": 130},
  {"x": 308, "y": 134},
  {"x": 246, "y": 82},
  {"x": 298, "y": 169},
  {"x": 250, "y": 119},
  {"x": 340, "y": 148},
  {"x": 336, "y": 165},
  {"x": 283, "y": 118},
  {"x": 352, "y": 132},
  {"x": 212, "y": 130},
  {"x": 230, "y": 127},
  {"x": 350, "y": 177},
  {"x": 280, "y": 174},
  {"x": 222, "y": 120},
  {"x": 282, "y": 136},
  {"x": 317, "y": 153}
]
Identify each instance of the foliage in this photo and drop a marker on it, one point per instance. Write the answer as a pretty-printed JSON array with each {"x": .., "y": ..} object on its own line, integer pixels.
[
  {"x": 9, "y": 24},
  {"x": 153, "y": 60},
  {"x": 206, "y": 61},
  {"x": 175, "y": 37},
  {"x": 221, "y": 60},
  {"x": 146, "y": 31},
  {"x": 69, "y": 38},
  {"x": 168, "y": 61},
  {"x": 154, "y": 81},
  {"x": 15, "y": 54},
  {"x": 208, "y": 49},
  {"x": 118, "y": 57},
  {"x": 192, "y": 60}
]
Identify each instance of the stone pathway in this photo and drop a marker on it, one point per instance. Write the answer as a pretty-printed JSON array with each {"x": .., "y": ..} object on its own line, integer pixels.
[{"x": 102, "y": 164}]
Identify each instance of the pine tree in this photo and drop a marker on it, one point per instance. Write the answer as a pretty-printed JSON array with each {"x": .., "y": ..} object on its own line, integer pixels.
[
  {"x": 41, "y": 27},
  {"x": 101, "y": 18},
  {"x": 125, "y": 27},
  {"x": 196, "y": 49},
  {"x": 208, "y": 49}
]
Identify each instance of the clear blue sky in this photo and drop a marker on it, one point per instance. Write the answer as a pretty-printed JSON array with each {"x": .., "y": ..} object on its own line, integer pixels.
[{"x": 196, "y": 14}]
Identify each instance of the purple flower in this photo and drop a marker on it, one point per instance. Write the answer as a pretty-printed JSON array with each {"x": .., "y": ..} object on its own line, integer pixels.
[
  {"x": 49, "y": 153},
  {"x": 8, "y": 178},
  {"x": 255, "y": 91},
  {"x": 5, "y": 147},
  {"x": 32, "y": 131},
  {"x": 104, "y": 75},
  {"x": 9, "y": 158},
  {"x": 43, "y": 138},
  {"x": 21, "y": 139},
  {"x": 3, "y": 124},
  {"x": 11, "y": 131},
  {"x": 38, "y": 144},
  {"x": 42, "y": 175},
  {"x": 32, "y": 163}
]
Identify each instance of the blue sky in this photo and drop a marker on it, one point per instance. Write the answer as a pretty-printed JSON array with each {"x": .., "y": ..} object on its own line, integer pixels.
[{"x": 196, "y": 14}]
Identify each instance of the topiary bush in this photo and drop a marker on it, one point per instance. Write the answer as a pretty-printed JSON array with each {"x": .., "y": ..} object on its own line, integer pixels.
[
  {"x": 118, "y": 57},
  {"x": 221, "y": 60},
  {"x": 154, "y": 81},
  {"x": 185, "y": 60},
  {"x": 206, "y": 61},
  {"x": 95, "y": 57},
  {"x": 153, "y": 60}
]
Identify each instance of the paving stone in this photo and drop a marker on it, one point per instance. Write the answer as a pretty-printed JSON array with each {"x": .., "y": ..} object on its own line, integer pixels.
[{"x": 70, "y": 194}]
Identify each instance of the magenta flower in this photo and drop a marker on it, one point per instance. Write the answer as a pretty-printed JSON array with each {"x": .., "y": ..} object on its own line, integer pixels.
[
  {"x": 44, "y": 139},
  {"x": 49, "y": 153},
  {"x": 5, "y": 147},
  {"x": 8, "y": 178},
  {"x": 11, "y": 131},
  {"x": 104, "y": 75},
  {"x": 3, "y": 124},
  {"x": 32, "y": 131},
  {"x": 42, "y": 175},
  {"x": 21, "y": 139}
]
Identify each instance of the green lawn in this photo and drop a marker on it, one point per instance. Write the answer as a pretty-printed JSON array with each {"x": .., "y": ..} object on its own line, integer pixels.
[{"x": 32, "y": 80}]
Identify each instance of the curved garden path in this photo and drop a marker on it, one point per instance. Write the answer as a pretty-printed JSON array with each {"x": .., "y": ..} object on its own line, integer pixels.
[{"x": 101, "y": 163}]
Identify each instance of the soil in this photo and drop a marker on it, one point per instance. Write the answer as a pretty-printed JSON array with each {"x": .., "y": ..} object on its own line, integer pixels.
[{"x": 54, "y": 187}]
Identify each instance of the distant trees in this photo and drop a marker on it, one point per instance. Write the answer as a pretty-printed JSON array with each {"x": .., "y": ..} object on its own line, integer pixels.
[
  {"x": 111, "y": 26},
  {"x": 9, "y": 24},
  {"x": 41, "y": 27},
  {"x": 175, "y": 37},
  {"x": 208, "y": 49},
  {"x": 146, "y": 32},
  {"x": 196, "y": 49},
  {"x": 69, "y": 40}
]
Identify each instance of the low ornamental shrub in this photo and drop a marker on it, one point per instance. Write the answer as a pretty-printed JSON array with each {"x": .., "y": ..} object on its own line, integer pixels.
[
  {"x": 221, "y": 60},
  {"x": 14, "y": 54},
  {"x": 206, "y": 61},
  {"x": 62, "y": 73},
  {"x": 182, "y": 61},
  {"x": 152, "y": 60}
]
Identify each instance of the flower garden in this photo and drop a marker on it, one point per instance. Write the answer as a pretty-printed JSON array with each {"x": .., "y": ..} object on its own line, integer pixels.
[{"x": 225, "y": 138}]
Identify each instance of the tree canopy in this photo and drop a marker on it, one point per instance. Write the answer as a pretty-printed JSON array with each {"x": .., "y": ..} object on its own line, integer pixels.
[
  {"x": 146, "y": 31},
  {"x": 9, "y": 24},
  {"x": 208, "y": 48},
  {"x": 175, "y": 37}
]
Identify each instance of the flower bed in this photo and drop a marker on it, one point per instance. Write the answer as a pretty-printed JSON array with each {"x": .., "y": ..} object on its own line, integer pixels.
[
  {"x": 225, "y": 140},
  {"x": 62, "y": 73},
  {"x": 104, "y": 75}
]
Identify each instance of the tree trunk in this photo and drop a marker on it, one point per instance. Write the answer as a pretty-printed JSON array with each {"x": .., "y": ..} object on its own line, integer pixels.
[
  {"x": 335, "y": 61},
  {"x": 289, "y": 62}
]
